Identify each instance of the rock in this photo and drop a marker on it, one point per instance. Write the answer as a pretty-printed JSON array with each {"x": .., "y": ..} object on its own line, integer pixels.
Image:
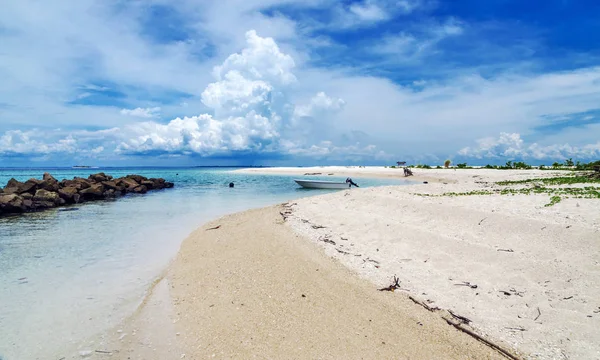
[
  {"x": 16, "y": 187},
  {"x": 148, "y": 184},
  {"x": 142, "y": 189},
  {"x": 99, "y": 177},
  {"x": 41, "y": 205},
  {"x": 43, "y": 195},
  {"x": 35, "y": 194},
  {"x": 49, "y": 185},
  {"x": 128, "y": 183},
  {"x": 110, "y": 185},
  {"x": 110, "y": 193},
  {"x": 11, "y": 203},
  {"x": 95, "y": 191},
  {"x": 137, "y": 178},
  {"x": 47, "y": 176},
  {"x": 157, "y": 183},
  {"x": 68, "y": 194},
  {"x": 77, "y": 183}
]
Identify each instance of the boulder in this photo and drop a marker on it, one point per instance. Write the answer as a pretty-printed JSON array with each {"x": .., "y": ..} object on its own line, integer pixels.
[
  {"x": 47, "y": 176},
  {"x": 140, "y": 189},
  {"x": 11, "y": 203},
  {"x": 95, "y": 191},
  {"x": 68, "y": 194},
  {"x": 148, "y": 184},
  {"x": 27, "y": 203},
  {"x": 110, "y": 193},
  {"x": 16, "y": 187},
  {"x": 99, "y": 177},
  {"x": 27, "y": 196},
  {"x": 76, "y": 198},
  {"x": 137, "y": 178},
  {"x": 168, "y": 185},
  {"x": 77, "y": 183},
  {"x": 110, "y": 185},
  {"x": 41, "y": 205},
  {"x": 43, "y": 195},
  {"x": 128, "y": 183},
  {"x": 49, "y": 185}
]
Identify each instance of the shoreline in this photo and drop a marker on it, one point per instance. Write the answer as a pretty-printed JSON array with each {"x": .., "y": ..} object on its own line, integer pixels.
[{"x": 333, "y": 227}]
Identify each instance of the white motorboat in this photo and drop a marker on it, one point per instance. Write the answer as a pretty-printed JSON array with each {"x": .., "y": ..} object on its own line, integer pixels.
[{"x": 324, "y": 184}]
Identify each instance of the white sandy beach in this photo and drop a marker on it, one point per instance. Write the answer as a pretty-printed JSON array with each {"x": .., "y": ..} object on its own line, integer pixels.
[
  {"x": 536, "y": 268},
  {"x": 300, "y": 280}
]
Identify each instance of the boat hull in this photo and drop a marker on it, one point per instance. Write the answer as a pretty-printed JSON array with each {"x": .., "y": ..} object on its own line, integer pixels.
[{"x": 321, "y": 184}]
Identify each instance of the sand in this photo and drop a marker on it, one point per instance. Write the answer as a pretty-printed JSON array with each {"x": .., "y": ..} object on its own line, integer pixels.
[
  {"x": 527, "y": 277},
  {"x": 536, "y": 268},
  {"x": 254, "y": 289}
]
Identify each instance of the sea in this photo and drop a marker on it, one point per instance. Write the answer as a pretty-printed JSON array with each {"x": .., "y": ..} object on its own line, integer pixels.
[{"x": 66, "y": 276}]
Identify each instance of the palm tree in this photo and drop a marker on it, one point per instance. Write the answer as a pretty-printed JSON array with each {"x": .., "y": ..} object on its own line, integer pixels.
[{"x": 447, "y": 163}]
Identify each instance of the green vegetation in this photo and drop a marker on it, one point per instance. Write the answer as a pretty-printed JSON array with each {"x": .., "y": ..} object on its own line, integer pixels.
[
  {"x": 561, "y": 180},
  {"x": 553, "y": 200},
  {"x": 425, "y": 166},
  {"x": 540, "y": 186},
  {"x": 461, "y": 166}
]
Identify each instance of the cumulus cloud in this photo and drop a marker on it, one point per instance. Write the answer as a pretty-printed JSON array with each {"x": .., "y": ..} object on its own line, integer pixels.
[
  {"x": 142, "y": 112},
  {"x": 34, "y": 143},
  {"x": 511, "y": 146},
  {"x": 251, "y": 111},
  {"x": 319, "y": 104}
]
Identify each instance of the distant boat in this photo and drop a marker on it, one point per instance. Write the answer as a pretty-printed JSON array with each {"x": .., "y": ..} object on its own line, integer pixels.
[
  {"x": 322, "y": 184},
  {"x": 84, "y": 167}
]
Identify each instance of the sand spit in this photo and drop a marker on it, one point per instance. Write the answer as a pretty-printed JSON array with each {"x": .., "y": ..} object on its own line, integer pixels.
[
  {"x": 253, "y": 289},
  {"x": 526, "y": 274},
  {"x": 246, "y": 286}
]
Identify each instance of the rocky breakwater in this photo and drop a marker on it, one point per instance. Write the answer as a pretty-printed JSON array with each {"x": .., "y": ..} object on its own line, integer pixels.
[{"x": 37, "y": 195}]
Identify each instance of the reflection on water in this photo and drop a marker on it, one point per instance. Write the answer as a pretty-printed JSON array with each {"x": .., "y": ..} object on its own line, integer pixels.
[{"x": 67, "y": 275}]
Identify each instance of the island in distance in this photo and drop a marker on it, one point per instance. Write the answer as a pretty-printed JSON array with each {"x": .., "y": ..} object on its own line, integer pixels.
[{"x": 38, "y": 195}]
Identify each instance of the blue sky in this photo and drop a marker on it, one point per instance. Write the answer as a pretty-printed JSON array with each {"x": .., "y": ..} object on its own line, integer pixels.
[{"x": 262, "y": 82}]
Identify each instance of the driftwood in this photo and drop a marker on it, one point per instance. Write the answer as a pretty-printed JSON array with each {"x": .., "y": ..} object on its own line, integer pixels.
[
  {"x": 318, "y": 227},
  {"x": 461, "y": 326},
  {"x": 466, "y": 283},
  {"x": 432, "y": 309},
  {"x": 539, "y": 314},
  {"x": 329, "y": 241},
  {"x": 480, "y": 338},
  {"x": 394, "y": 286},
  {"x": 463, "y": 319},
  {"x": 214, "y": 228},
  {"x": 506, "y": 250},
  {"x": 482, "y": 220}
]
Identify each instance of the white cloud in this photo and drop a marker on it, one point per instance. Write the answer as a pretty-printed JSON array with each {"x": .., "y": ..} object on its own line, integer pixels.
[
  {"x": 319, "y": 104},
  {"x": 368, "y": 11},
  {"x": 252, "y": 112},
  {"x": 511, "y": 146},
  {"x": 411, "y": 46},
  {"x": 142, "y": 112},
  {"x": 34, "y": 143}
]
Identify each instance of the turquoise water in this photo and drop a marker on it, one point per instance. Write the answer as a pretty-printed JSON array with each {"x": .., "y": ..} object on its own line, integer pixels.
[{"x": 66, "y": 276}]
